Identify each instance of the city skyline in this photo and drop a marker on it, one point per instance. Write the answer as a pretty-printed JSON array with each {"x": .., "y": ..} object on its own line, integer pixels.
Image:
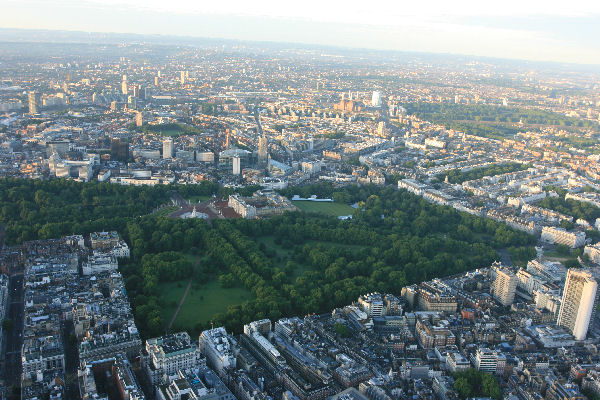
[{"x": 533, "y": 31}]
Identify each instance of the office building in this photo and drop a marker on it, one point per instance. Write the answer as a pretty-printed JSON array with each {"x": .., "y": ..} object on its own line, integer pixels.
[
  {"x": 376, "y": 99},
  {"x": 168, "y": 148},
  {"x": 164, "y": 356},
  {"x": 263, "y": 150},
  {"x": 139, "y": 119},
  {"x": 218, "y": 348},
  {"x": 381, "y": 131},
  {"x": 124, "y": 85},
  {"x": 561, "y": 236},
  {"x": 505, "y": 286},
  {"x": 378, "y": 305},
  {"x": 485, "y": 360},
  {"x": 237, "y": 169},
  {"x": 456, "y": 362},
  {"x": 578, "y": 300},
  {"x": 564, "y": 391},
  {"x": 33, "y": 103},
  {"x": 593, "y": 251}
]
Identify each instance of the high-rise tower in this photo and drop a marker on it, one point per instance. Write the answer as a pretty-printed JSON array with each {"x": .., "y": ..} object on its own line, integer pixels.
[
  {"x": 124, "y": 85},
  {"x": 505, "y": 286},
  {"x": 168, "y": 148},
  {"x": 577, "y": 306},
  {"x": 32, "y": 97},
  {"x": 263, "y": 150}
]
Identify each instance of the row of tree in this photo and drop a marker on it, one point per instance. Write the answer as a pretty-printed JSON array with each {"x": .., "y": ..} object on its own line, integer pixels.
[
  {"x": 41, "y": 209},
  {"x": 394, "y": 239},
  {"x": 458, "y": 176},
  {"x": 574, "y": 208},
  {"x": 450, "y": 112}
]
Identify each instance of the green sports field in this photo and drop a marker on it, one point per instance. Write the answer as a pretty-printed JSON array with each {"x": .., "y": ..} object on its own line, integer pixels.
[
  {"x": 202, "y": 302},
  {"x": 328, "y": 208}
]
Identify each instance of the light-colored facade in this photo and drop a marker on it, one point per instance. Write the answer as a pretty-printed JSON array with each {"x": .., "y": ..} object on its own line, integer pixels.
[
  {"x": 33, "y": 103},
  {"x": 263, "y": 150},
  {"x": 561, "y": 236},
  {"x": 218, "y": 349},
  {"x": 577, "y": 306},
  {"x": 168, "y": 354},
  {"x": 168, "y": 148},
  {"x": 529, "y": 282},
  {"x": 505, "y": 286},
  {"x": 593, "y": 251},
  {"x": 485, "y": 360}
]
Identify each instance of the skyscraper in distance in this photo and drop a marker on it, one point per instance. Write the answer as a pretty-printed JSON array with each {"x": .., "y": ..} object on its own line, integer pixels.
[
  {"x": 578, "y": 301},
  {"x": 381, "y": 128},
  {"x": 168, "y": 148},
  {"x": 263, "y": 150},
  {"x": 33, "y": 103},
  {"x": 237, "y": 166},
  {"x": 376, "y": 99},
  {"x": 124, "y": 85}
]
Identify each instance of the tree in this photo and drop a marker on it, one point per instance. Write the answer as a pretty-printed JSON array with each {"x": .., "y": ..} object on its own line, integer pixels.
[
  {"x": 342, "y": 330},
  {"x": 462, "y": 387}
]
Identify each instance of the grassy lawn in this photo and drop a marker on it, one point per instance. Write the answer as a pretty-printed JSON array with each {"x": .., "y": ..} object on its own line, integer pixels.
[
  {"x": 334, "y": 209},
  {"x": 198, "y": 199},
  {"x": 555, "y": 256},
  {"x": 205, "y": 301},
  {"x": 171, "y": 293},
  {"x": 163, "y": 212},
  {"x": 171, "y": 132}
]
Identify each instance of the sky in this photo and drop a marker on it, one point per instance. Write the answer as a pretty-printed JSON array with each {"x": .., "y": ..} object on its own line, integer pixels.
[{"x": 540, "y": 30}]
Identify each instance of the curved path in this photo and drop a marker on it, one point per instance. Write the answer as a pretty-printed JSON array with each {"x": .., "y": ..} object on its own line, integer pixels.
[{"x": 187, "y": 289}]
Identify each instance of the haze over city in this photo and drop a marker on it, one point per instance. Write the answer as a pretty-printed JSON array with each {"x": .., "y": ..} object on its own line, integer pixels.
[
  {"x": 299, "y": 201},
  {"x": 533, "y": 30}
]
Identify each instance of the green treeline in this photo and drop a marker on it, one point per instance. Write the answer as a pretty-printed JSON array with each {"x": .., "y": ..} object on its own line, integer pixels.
[
  {"x": 456, "y": 176},
  {"x": 496, "y": 122},
  {"x": 394, "y": 239},
  {"x": 574, "y": 208},
  {"x": 473, "y": 383},
  {"x": 38, "y": 209},
  {"x": 317, "y": 263},
  {"x": 444, "y": 113}
]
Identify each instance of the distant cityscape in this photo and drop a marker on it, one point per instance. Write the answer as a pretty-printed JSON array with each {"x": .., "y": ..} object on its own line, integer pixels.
[{"x": 269, "y": 127}]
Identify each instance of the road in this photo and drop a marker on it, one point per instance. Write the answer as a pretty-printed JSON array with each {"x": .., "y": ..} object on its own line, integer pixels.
[
  {"x": 11, "y": 366},
  {"x": 505, "y": 257}
]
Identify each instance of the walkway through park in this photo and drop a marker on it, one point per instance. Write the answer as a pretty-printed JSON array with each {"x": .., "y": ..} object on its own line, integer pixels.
[{"x": 187, "y": 289}]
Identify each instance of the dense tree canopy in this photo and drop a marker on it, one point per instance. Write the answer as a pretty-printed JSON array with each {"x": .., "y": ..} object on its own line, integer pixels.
[
  {"x": 38, "y": 209},
  {"x": 474, "y": 383},
  {"x": 318, "y": 263},
  {"x": 395, "y": 238},
  {"x": 574, "y": 208},
  {"x": 456, "y": 176}
]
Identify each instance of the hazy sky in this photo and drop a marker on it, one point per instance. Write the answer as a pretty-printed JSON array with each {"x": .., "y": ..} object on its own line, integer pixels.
[{"x": 526, "y": 29}]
